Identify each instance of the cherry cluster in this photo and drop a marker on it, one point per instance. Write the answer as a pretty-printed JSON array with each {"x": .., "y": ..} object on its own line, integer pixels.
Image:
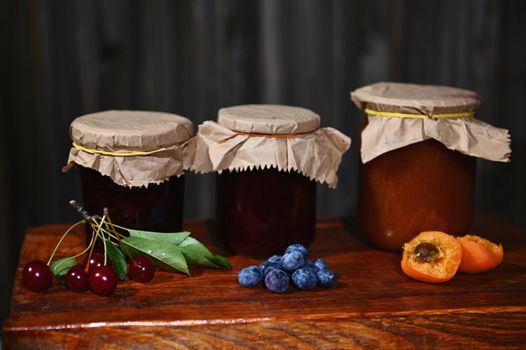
[{"x": 92, "y": 274}]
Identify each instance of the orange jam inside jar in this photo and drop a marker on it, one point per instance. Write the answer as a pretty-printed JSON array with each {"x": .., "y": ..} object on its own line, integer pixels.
[
  {"x": 411, "y": 189},
  {"x": 268, "y": 159},
  {"x": 419, "y": 148},
  {"x": 131, "y": 162}
]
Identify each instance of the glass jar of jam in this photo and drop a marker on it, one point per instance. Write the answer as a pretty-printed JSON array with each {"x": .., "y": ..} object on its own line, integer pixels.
[
  {"x": 416, "y": 188},
  {"x": 268, "y": 158},
  {"x": 131, "y": 162},
  {"x": 158, "y": 207},
  {"x": 418, "y": 149},
  {"x": 261, "y": 212}
]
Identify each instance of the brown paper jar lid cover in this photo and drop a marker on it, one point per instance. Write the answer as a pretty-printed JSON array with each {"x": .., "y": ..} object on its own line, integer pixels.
[
  {"x": 255, "y": 137},
  {"x": 268, "y": 119},
  {"x": 120, "y": 130},
  {"x": 133, "y": 148},
  {"x": 402, "y": 114},
  {"x": 414, "y": 98}
]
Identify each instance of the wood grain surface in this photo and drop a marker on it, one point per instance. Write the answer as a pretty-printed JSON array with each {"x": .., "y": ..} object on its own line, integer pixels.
[
  {"x": 373, "y": 305},
  {"x": 61, "y": 59}
]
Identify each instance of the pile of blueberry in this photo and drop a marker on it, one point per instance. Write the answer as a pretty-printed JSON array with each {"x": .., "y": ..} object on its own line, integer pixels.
[{"x": 294, "y": 265}]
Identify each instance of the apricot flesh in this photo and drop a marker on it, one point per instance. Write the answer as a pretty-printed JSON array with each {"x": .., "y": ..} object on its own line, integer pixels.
[
  {"x": 431, "y": 256},
  {"x": 479, "y": 254}
]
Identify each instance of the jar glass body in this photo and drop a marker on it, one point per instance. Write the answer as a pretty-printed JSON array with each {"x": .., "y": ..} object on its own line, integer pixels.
[
  {"x": 420, "y": 187},
  {"x": 261, "y": 212},
  {"x": 153, "y": 208}
]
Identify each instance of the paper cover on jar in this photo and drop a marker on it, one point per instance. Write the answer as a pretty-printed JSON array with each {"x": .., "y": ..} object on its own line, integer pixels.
[
  {"x": 134, "y": 148},
  {"x": 255, "y": 137},
  {"x": 403, "y": 114}
]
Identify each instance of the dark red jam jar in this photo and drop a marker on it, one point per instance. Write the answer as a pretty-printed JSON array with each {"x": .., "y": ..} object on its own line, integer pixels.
[
  {"x": 131, "y": 162},
  {"x": 261, "y": 212},
  {"x": 158, "y": 207},
  {"x": 268, "y": 159},
  {"x": 418, "y": 148}
]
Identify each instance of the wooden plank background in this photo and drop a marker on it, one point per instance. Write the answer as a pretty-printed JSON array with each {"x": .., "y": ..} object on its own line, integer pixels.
[{"x": 63, "y": 58}]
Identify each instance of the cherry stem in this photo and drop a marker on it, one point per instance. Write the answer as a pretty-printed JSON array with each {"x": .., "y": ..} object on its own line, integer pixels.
[
  {"x": 111, "y": 226},
  {"x": 110, "y": 230},
  {"x": 126, "y": 251},
  {"x": 109, "y": 234},
  {"x": 105, "y": 249},
  {"x": 96, "y": 226},
  {"x": 87, "y": 248},
  {"x": 118, "y": 236},
  {"x": 62, "y": 238},
  {"x": 121, "y": 227}
]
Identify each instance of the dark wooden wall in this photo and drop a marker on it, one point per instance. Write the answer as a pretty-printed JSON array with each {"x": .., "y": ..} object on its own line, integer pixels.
[{"x": 63, "y": 58}]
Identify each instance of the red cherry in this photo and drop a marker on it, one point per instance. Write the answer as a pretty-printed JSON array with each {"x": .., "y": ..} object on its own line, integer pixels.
[
  {"x": 37, "y": 276},
  {"x": 141, "y": 269},
  {"x": 96, "y": 260},
  {"x": 103, "y": 280},
  {"x": 77, "y": 279}
]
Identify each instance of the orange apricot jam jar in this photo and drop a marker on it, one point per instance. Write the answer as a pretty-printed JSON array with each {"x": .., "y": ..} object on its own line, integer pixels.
[{"x": 419, "y": 146}]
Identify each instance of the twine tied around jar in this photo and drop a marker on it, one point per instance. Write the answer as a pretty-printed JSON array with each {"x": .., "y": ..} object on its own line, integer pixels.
[
  {"x": 274, "y": 136},
  {"x": 401, "y": 114},
  {"x": 374, "y": 113},
  {"x": 287, "y": 144},
  {"x": 114, "y": 154},
  {"x": 133, "y": 148}
]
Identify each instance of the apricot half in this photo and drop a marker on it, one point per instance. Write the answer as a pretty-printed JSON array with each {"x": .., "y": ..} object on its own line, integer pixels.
[
  {"x": 479, "y": 254},
  {"x": 432, "y": 256}
]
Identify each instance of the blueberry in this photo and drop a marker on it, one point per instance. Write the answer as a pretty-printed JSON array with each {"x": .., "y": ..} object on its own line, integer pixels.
[
  {"x": 326, "y": 278},
  {"x": 275, "y": 259},
  {"x": 297, "y": 247},
  {"x": 320, "y": 264},
  {"x": 293, "y": 260},
  {"x": 267, "y": 266},
  {"x": 277, "y": 281},
  {"x": 249, "y": 276},
  {"x": 310, "y": 265},
  {"x": 304, "y": 279}
]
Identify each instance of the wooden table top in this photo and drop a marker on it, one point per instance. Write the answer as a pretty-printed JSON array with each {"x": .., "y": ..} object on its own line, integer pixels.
[{"x": 373, "y": 305}]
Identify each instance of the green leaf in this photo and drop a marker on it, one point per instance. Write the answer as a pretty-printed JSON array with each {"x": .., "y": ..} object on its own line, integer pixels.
[
  {"x": 220, "y": 260},
  {"x": 61, "y": 267},
  {"x": 167, "y": 237},
  {"x": 117, "y": 259},
  {"x": 196, "y": 253},
  {"x": 167, "y": 256}
]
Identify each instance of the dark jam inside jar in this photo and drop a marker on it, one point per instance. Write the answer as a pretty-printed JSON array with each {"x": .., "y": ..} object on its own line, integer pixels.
[
  {"x": 420, "y": 187},
  {"x": 153, "y": 208},
  {"x": 261, "y": 212}
]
